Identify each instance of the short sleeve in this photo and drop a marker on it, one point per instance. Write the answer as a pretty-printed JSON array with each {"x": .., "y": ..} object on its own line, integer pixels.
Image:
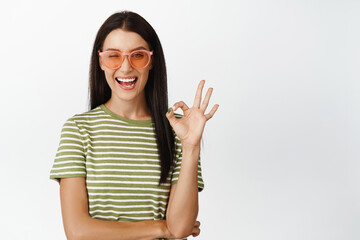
[
  {"x": 70, "y": 156},
  {"x": 177, "y": 166}
]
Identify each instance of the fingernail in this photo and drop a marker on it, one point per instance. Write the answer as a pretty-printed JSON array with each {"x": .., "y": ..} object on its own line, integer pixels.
[{"x": 169, "y": 110}]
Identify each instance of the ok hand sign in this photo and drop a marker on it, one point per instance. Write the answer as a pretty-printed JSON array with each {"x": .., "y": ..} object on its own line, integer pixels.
[{"x": 191, "y": 126}]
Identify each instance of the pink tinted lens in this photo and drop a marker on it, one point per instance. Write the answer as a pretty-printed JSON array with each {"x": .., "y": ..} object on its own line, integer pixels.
[
  {"x": 112, "y": 59},
  {"x": 139, "y": 59}
]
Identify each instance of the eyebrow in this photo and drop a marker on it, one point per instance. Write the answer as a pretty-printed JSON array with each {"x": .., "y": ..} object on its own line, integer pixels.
[{"x": 114, "y": 49}]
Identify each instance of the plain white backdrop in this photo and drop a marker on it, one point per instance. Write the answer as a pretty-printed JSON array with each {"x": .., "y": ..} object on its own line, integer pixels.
[{"x": 280, "y": 157}]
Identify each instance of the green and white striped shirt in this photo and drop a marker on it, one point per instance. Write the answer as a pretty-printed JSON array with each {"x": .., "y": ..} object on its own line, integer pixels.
[{"x": 120, "y": 161}]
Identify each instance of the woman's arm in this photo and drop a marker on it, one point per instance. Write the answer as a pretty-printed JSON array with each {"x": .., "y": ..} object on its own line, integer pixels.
[
  {"x": 182, "y": 209},
  {"x": 183, "y": 203},
  {"x": 79, "y": 225}
]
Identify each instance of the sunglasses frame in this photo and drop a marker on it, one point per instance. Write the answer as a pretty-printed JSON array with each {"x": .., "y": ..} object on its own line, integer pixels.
[{"x": 149, "y": 53}]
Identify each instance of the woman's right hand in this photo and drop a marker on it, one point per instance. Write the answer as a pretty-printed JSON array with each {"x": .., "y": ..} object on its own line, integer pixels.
[{"x": 195, "y": 231}]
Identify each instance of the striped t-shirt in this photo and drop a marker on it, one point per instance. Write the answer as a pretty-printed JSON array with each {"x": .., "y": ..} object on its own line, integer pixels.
[{"x": 120, "y": 161}]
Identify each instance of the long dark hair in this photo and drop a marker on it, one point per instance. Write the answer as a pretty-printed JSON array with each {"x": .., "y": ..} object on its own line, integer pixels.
[{"x": 155, "y": 89}]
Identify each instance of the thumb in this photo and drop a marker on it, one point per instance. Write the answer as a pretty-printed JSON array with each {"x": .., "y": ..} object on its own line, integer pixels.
[{"x": 170, "y": 116}]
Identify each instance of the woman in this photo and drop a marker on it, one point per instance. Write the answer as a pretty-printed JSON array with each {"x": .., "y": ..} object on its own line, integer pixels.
[{"x": 128, "y": 168}]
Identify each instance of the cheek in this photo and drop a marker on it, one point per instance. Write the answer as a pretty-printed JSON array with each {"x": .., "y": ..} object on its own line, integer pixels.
[
  {"x": 109, "y": 77},
  {"x": 145, "y": 76}
]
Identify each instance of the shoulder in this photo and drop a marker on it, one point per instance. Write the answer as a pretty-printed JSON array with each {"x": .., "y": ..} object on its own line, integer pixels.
[
  {"x": 77, "y": 125},
  {"x": 86, "y": 116},
  {"x": 79, "y": 119}
]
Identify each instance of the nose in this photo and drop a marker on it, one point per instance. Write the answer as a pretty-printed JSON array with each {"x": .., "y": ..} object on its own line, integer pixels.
[{"x": 126, "y": 66}]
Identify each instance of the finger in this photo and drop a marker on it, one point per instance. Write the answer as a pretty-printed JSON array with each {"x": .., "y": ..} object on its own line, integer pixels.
[
  {"x": 181, "y": 105},
  {"x": 195, "y": 232},
  {"x": 197, "y": 100},
  {"x": 212, "y": 112},
  {"x": 206, "y": 99},
  {"x": 170, "y": 116}
]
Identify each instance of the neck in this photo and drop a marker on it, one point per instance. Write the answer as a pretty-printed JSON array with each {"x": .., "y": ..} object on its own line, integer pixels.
[{"x": 135, "y": 109}]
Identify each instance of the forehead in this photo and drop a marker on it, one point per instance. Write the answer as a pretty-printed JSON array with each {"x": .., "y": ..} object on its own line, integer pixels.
[{"x": 124, "y": 40}]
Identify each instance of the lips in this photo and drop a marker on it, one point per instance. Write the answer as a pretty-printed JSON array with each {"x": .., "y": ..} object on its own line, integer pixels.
[{"x": 127, "y": 83}]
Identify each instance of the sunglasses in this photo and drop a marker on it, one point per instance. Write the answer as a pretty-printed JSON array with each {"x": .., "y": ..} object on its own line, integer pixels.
[{"x": 138, "y": 58}]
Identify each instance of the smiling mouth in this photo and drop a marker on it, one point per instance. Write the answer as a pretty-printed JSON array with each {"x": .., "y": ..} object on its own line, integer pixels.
[{"x": 127, "y": 82}]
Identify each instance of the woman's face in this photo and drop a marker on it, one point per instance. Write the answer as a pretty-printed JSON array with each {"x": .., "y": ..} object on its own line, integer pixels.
[{"x": 119, "y": 79}]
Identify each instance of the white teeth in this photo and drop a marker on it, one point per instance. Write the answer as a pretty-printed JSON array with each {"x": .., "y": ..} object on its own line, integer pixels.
[{"x": 126, "y": 79}]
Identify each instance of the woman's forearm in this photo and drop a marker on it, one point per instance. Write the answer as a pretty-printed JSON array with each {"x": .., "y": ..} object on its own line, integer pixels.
[
  {"x": 94, "y": 229},
  {"x": 183, "y": 204},
  {"x": 79, "y": 225}
]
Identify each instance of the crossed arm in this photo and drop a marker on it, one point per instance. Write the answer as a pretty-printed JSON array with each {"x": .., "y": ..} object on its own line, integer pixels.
[
  {"x": 181, "y": 212},
  {"x": 79, "y": 225}
]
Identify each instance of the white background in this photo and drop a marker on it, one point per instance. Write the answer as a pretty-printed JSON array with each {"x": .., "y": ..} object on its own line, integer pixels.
[{"x": 280, "y": 157}]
